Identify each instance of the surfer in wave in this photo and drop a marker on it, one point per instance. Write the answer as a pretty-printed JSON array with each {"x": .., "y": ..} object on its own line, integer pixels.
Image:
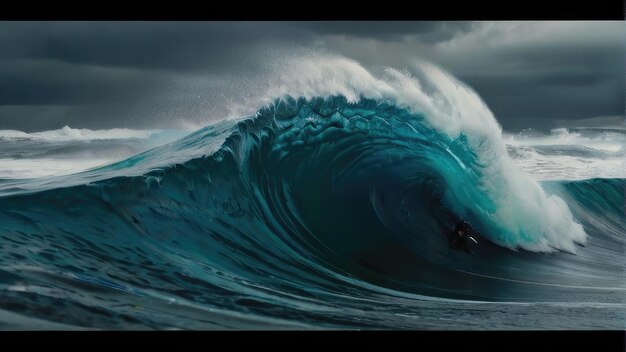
[{"x": 460, "y": 235}]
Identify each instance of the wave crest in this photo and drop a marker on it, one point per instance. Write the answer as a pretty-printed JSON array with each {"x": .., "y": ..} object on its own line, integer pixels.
[{"x": 523, "y": 214}]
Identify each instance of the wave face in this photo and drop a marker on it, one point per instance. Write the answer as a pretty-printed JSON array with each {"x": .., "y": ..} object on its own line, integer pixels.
[{"x": 318, "y": 212}]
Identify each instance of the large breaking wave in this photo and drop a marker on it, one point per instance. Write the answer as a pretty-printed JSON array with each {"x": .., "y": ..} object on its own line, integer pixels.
[{"x": 342, "y": 187}]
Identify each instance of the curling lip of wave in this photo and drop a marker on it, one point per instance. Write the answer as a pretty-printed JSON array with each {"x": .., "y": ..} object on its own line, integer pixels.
[{"x": 451, "y": 107}]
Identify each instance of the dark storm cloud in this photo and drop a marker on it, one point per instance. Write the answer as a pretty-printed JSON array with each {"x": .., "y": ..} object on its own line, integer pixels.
[
  {"x": 189, "y": 45},
  {"x": 553, "y": 80},
  {"x": 168, "y": 74},
  {"x": 144, "y": 45},
  {"x": 46, "y": 82},
  {"x": 123, "y": 73},
  {"x": 36, "y": 117},
  {"x": 424, "y": 31},
  {"x": 533, "y": 101},
  {"x": 529, "y": 74},
  {"x": 559, "y": 93}
]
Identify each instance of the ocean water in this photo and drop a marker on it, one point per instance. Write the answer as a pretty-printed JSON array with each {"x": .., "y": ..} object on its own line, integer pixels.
[{"x": 329, "y": 208}]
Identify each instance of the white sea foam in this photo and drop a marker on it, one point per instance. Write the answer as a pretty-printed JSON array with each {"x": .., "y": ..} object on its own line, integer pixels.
[
  {"x": 67, "y": 151},
  {"x": 564, "y": 167},
  {"x": 32, "y": 168},
  {"x": 523, "y": 214},
  {"x": 76, "y": 134},
  {"x": 575, "y": 154},
  {"x": 606, "y": 140}
]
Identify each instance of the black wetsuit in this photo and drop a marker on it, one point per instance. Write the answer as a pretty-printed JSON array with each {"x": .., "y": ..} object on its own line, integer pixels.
[{"x": 460, "y": 242}]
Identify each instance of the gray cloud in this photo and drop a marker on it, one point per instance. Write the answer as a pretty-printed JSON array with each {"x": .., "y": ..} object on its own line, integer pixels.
[
  {"x": 529, "y": 74},
  {"x": 36, "y": 117},
  {"x": 50, "y": 82},
  {"x": 424, "y": 31},
  {"x": 144, "y": 45},
  {"x": 169, "y": 74}
]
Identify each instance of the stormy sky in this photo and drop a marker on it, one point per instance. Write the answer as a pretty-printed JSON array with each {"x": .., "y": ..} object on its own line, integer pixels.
[{"x": 180, "y": 74}]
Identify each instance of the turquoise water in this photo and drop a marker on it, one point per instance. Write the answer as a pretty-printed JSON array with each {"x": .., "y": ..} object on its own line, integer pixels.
[{"x": 317, "y": 213}]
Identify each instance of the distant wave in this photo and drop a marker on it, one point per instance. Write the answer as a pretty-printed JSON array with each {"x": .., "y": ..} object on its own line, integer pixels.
[
  {"x": 77, "y": 134},
  {"x": 65, "y": 151},
  {"x": 570, "y": 153},
  {"x": 606, "y": 139}
]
